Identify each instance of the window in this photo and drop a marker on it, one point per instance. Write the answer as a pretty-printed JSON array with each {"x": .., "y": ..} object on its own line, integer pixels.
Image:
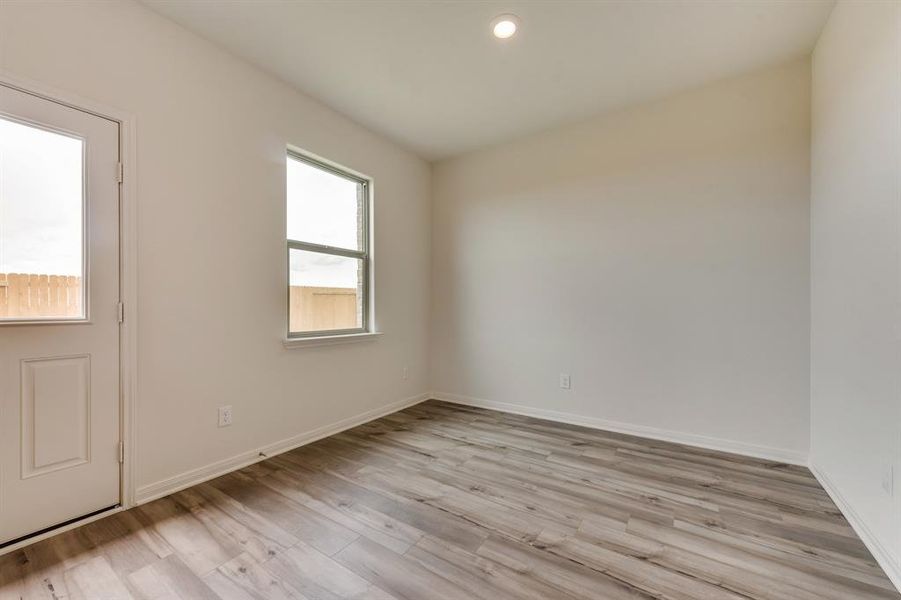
[
  {"x": 328, "y": 249},
  {"x": 41, "y": 224}
]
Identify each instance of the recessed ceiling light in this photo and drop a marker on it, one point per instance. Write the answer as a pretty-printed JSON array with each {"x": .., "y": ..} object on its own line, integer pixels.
[{"x": 504, "y": 26}]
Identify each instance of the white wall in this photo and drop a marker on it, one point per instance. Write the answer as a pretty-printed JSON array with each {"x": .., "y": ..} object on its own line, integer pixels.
[
  {"x": 658, "y": 254},
  {"x": 856, "y": 269},
  {"x": 211, "y": 138}
]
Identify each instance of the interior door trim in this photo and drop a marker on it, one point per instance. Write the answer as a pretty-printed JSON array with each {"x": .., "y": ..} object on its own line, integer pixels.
[{"x": 128, "y": 226}]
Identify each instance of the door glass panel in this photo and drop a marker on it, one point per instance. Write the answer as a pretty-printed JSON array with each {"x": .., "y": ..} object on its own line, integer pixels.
[
  {"x": 41, "y": 224},
  {"x": 325, "y": 292}
]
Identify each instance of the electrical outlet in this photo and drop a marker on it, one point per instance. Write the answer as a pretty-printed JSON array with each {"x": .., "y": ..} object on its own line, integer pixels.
[
  {"x": 225, "y": 416},
  {"x": 566, "y": 382},
  {"x": 406, "y": 373},
  {"x": 888, "y": 480}
]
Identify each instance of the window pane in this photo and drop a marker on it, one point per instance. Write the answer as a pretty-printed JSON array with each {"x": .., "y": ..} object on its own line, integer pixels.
[
  {"x": 41, "y": 230},
  {"x": 323, "y": 208},
  {"x": 326, "y": 292}
]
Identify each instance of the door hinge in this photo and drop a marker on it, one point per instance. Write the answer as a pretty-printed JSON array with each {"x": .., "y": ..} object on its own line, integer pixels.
[
  {"x": 120, "y": 307},
  {"x": 121, "y": 452},
  {"x": 120, "y": 172}
]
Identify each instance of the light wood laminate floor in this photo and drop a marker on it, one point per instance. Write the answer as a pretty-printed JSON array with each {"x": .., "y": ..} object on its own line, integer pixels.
[{"x": 441, "y": 501}]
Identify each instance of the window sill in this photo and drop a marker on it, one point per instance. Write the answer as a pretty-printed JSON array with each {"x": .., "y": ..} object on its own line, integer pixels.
[{"x": 330, "y": 340}]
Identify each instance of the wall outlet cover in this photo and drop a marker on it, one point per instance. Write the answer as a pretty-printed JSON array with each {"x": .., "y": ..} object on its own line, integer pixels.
[{"x": 225, "y": 416}]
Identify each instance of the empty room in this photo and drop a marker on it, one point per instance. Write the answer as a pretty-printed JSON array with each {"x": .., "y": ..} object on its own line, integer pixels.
[{"x": 450, "y": 299}]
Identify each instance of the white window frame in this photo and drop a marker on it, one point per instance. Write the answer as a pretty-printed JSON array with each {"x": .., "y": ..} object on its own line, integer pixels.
[{"x": 364, "y": 255}]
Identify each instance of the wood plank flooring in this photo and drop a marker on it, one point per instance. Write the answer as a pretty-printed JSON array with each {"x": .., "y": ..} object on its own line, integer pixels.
[{"x": 442, "y": 501}]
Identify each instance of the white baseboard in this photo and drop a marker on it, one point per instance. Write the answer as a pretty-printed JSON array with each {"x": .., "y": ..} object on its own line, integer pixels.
[
  {"x": 889, "y": 564},
  {"x": 678, "y": 437},
  {"x": 185, "y": 480}
]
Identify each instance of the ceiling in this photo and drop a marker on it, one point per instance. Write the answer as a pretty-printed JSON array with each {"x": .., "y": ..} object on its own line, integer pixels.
[{"x": 430, "y": 75}]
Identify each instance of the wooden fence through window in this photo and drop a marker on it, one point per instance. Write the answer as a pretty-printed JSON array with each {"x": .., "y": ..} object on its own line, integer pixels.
[
  {"x": 24, "y": 295},
  {"x": 322, "y": 308}
]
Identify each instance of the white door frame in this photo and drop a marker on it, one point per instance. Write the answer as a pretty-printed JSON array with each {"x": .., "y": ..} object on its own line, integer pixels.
[{"x": 128, "y": 285}]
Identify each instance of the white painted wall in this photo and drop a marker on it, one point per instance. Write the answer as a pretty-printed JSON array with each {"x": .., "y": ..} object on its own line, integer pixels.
[
  {"x": 211, "y": 137},
  {"x": 856, "y": 267},
  {"x": 658, "y": 254}
]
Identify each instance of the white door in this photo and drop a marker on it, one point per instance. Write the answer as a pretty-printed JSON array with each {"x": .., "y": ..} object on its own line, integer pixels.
[{"x": 59, "y": 326}]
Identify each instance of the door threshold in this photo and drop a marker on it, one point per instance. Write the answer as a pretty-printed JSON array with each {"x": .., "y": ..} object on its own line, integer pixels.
[{"x": 48, "y": 532}]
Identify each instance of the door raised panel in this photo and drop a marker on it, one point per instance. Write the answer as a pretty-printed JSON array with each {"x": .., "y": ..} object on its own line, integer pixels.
[{"x": 55, "y": 413}]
